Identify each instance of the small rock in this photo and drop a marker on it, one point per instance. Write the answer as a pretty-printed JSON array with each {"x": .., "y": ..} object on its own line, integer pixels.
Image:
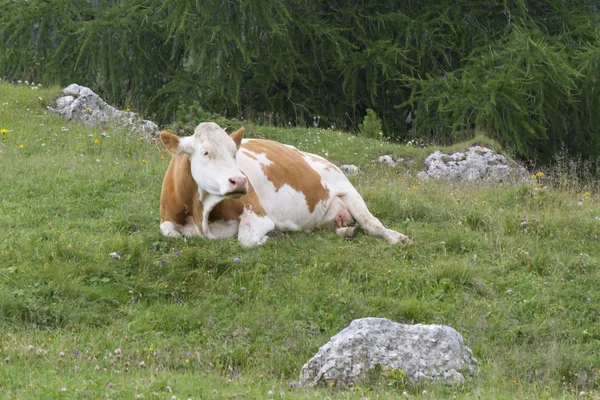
[
  {"x": 387, "y": 160},
  {"x": 350, "y": 169}
]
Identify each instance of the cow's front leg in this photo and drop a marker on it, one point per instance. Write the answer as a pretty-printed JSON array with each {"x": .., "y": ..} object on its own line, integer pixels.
[
  {"x": 253, "y": 228},
  {"x": 190, "y": 228}
]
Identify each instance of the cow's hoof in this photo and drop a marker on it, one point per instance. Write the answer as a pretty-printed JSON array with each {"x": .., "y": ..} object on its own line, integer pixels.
[
  {"x": 170, "y": 229},
  {"x": 394, "y": 237}
]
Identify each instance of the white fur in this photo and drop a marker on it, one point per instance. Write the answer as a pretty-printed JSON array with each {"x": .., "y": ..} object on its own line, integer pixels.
[
  {"x": 190, "y": 228},
  {"x": 288, "y": 208},
  {"x": 253, "y": 229},
  {"x": 212, "y": 158},
  {"x": 224, "y": 229},
  {"x": 169, "y": 228}
]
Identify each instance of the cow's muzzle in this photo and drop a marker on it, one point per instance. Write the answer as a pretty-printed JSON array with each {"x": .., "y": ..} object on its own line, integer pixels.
[{"x": 238, "y": 186}]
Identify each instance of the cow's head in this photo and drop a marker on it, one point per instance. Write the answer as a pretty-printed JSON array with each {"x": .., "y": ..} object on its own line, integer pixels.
[{"x": 212, "y": 156}]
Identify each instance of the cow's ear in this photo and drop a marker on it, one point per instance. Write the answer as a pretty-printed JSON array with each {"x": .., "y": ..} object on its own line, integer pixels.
[
  {"x": 237, "y": 136},
  {"x": 174, "y": 144}
]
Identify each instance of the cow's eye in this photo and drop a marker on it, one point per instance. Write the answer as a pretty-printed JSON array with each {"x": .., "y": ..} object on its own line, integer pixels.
[{"x": 205, "y": 154}]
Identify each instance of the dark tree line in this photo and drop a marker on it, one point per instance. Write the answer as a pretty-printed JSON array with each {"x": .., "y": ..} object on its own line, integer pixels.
[{"x": 524, "y": 72}]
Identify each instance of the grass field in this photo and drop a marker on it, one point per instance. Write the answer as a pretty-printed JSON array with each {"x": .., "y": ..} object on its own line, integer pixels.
[{"x": 180, "y": 319}]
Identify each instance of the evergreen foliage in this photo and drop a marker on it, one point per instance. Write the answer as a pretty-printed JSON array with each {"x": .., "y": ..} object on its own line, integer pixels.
[
  {"x": 525, "y": 72},
  {"x": 371, "y": 126}
]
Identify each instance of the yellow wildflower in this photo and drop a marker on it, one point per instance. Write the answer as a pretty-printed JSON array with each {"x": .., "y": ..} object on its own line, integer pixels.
[
  {"x": 144, "y": 161},
  {"x": 4, "y": 131},
  {"x": 40, "y": 99},
  {"x": 96, "y": 141},
  {"x": 21, "y": 146},
  {"x": 587, "y": 195},
  {"x": 187, "y": 361},
  {"x": 539, "y": 174}
]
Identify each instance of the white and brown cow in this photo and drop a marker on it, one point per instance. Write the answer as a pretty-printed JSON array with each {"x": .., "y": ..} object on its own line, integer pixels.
[{"x": 219, "y": 185}]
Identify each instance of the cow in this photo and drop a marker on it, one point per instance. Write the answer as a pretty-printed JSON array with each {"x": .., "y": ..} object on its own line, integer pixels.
[{"x": 219, "y": 185}]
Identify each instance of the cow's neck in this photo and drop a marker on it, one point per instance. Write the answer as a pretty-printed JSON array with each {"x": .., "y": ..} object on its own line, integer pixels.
[{"x": 208, "y": 201}]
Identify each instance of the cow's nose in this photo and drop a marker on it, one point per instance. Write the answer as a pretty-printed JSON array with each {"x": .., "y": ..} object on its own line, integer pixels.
[{"x": 237, "y": 183}]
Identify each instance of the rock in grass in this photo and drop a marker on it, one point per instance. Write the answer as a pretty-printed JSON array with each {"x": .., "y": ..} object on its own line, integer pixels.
[
  {"x": 390, "y": 160},
  {"x": 350, "y": 169},
  {"x": 478, "y": 164},
  {"x": 81, "y": 104},
  {"x": 420, "y": 352}
]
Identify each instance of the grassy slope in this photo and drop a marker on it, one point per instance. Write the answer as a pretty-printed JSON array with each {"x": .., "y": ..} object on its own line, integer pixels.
[{"x": 525, "y": 300}]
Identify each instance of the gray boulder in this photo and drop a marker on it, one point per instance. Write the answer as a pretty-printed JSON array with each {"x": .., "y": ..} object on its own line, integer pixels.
[
  {"x": 81, "y": 104},
  {"x": 478, "y": 164},
  {"x": 421, "y": 352}
]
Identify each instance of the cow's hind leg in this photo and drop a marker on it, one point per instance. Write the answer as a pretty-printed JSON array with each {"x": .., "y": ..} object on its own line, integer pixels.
[
  {"x": 253, "y": 228},
  {"x": 367, "y": 221}
]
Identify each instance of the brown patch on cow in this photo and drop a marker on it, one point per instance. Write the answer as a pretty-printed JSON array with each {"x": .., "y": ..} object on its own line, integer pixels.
[
  {"x": 289, "y": 167},
  {"x": 237, "y": 137},
  {"x": 231, "y": 209},
  {"x": 170, "y": 141},
  {"x": 179, "y": 196}
]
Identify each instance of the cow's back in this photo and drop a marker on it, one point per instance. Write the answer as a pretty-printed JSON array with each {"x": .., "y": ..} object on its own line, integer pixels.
[{"x": 293, "y": 187}]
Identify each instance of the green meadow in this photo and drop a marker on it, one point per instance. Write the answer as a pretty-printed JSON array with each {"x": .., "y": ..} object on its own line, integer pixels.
[{"x": 515, "y": 269}]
